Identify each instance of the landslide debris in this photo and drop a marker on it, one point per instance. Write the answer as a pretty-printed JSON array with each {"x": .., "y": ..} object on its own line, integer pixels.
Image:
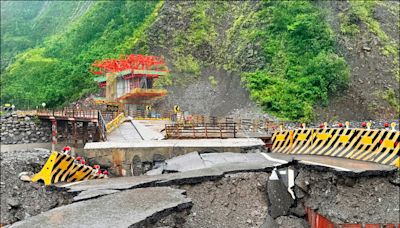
[
  {"x": 19, "y": 199},
  {"x": 350, "y": 199},
  {"x": 236, "y": 200}
]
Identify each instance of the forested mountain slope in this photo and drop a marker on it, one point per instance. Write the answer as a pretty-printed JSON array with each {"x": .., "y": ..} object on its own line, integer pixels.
[
  {"x": 298, "y": 60},
  {"x": 25, "y": 24}
]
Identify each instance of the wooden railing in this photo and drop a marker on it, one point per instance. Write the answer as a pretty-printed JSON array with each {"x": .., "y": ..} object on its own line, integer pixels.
[{"x": 204, "y": 130}]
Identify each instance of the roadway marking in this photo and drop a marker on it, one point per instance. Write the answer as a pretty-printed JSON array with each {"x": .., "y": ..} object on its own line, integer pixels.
[
  {"x": 291, "y": 182},
  {"x": 273, "y": 159},
  {"x": 305, "y": 162}
]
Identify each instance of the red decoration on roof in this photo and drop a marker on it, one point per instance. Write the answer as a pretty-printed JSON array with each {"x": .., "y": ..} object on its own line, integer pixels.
[{"x": 129, "y": 62}]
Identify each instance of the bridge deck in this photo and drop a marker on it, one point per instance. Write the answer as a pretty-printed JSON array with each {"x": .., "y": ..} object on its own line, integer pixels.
[{"x": 69, "y": 114}]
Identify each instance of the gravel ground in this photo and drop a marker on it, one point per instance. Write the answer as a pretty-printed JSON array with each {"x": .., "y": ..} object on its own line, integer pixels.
[
  {"x": 291, "y": 222},
  {"x": 237, "y": 200},
  {"x": 351, "y": 200},
  {"x": 20, "y": 199}
]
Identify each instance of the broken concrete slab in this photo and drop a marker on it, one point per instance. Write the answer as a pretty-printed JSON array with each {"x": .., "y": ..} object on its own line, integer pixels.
[
  {"x": 194, "y": 161},
  {"x": 105, "y": 153},
  {"x": 131, "y": 208},
  {"x": 279, "y": 198},
  {"x": 185, "y": 162},
  {"x": 85, "y": 195},
  {"x": 191, "y": 176},
  {"x": 157, "y": 171},
  {"x": 218, "y": 158}
]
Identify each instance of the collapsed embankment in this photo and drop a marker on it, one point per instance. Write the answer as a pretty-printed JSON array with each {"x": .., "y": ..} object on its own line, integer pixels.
[
  {"x": 248, "y": 200},
  {"x": 20, "y": 200},
  {"x": 233, "y": 199}
]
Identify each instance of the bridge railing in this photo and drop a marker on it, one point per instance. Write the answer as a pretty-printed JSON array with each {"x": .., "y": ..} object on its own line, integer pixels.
[
  {"x": 102, "y": 126},
  {"x": 69, "y": 113},
  {"x": 203, "y": 130}
]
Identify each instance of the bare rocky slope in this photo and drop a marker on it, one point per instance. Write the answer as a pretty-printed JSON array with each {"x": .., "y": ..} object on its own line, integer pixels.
[
  {"x": 372, "y": 71},
  {"x": 206, "y": 70}
]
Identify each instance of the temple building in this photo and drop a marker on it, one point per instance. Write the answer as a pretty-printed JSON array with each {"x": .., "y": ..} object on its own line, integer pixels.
[{"x": 129, "y": 81}]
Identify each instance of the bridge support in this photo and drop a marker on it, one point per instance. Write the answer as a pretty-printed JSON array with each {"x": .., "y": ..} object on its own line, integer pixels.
[
  {"x": 53, "y": 134},
  {"x": 75, "y": 134},
  {"x": 84, "y": 133}
]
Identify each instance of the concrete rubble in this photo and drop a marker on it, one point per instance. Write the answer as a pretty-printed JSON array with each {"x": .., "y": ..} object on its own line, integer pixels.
[
  {"x": 135, "y": 207},
  {"x": 224, "y": 190},
  {"x": 280, "y": 200}
]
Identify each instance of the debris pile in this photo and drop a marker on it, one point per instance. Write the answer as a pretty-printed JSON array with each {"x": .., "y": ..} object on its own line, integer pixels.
[{"x": 21, "y": 199}]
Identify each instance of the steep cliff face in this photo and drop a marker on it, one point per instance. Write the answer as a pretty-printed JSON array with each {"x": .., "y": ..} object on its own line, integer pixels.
[
  {"x": 201, "y": 43},
  {"x": 368, "y": 38},
  {"x": 210, "y": 45}
]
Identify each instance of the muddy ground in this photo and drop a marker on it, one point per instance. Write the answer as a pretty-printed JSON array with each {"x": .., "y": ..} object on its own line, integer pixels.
[
  {"x": 344, "y": 199},
  {"x": 19, "y": 199},
  {"x": 237, "y": 200}
]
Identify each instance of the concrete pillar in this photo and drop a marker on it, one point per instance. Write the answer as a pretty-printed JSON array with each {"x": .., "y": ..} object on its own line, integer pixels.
[
  {"x": 75, "y": 134},
  {"x": 53, "y": 134},
  {"x": 85, "y": 132}
]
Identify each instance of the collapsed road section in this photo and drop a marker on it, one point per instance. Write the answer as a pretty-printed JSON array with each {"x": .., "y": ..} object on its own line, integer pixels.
[{"x": 229, "y": 190}]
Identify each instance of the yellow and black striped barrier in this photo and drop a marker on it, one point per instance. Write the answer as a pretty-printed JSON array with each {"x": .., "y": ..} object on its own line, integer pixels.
[
  {"x": 381, "y": 146},
  {"x": 61, "y": 168}
]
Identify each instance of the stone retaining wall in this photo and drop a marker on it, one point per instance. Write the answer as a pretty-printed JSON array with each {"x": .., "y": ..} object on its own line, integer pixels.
[
  {"x": 16, "y": 130},
  {"x": 29, "y": 129}
]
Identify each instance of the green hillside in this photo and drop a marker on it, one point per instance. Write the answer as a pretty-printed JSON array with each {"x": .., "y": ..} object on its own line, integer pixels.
[
  {"x": 25, "y": 27},
  {"x": 56, "y": 71},
  {"x": 293, "y": 57}
]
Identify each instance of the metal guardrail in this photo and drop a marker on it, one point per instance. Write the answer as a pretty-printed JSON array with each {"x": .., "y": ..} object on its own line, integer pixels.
[
  {"x": 113, "y": 124},
  {"x": 68, "y": 113},
  {"x": 244, "y": 125},
  {"x": 142, "y": 114},
  {"x": 203, "y": 130},
  {"x": 102, "y": 126}
]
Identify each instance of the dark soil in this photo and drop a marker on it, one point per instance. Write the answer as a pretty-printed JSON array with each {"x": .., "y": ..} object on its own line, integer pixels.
[
  {"x": 350, "y": 199},
  {"x": 20, "y": 199},
  {"x": 237, "y": 200}
]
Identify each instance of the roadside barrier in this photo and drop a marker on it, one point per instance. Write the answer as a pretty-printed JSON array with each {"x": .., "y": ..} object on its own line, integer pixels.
[
  {"x": 300, "y": 140},
  {"x": 60, "y": 167},
  {"x": 113, "y": 124},
  {"x": 281, "y": 140},
  {"x": 381, "y": 146},
  {"x": 315, "y": 220}
]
